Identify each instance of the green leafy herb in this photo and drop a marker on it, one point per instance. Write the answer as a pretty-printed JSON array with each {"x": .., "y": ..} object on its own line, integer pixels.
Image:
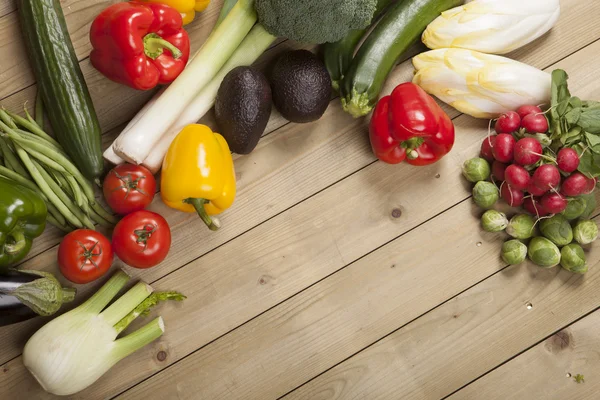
[
  {"x": 593, "y": 142},
  {"x": 589, "y": 162},
  {"x": 579, "y": 378},
  {"x": 590, "y": 120}
]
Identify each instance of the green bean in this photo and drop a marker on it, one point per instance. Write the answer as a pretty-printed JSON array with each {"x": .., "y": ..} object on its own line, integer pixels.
[
  {"x": 39, "y": 110},
  {"x": 45, "y": 160},
  {"x": 56, "y": 214},
  {"x": 7, "y": 119},
  {"x": 104, "y": 214},
  {"x": 11, "y": 159},
  {"x": 31, "y": 136},
  {"x": 64, "y": 198},
  {"x": 33, "y": 128},
  {"x": 77, "y": 193},
  {"x": 99, "y": 220},
  {"x": 21, "y": 180},
  {"x": 44, "y": 187}
]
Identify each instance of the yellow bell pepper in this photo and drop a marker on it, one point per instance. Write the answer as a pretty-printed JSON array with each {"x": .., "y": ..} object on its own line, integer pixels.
[
  {"x": 187, "y": 8},
  {"x": 198, "y": 174}
]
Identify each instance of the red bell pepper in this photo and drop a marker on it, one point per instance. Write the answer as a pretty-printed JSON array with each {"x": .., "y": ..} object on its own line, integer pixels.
[
  {"x": 139, "y": 45},
  {"x": 410, "y": 126}
]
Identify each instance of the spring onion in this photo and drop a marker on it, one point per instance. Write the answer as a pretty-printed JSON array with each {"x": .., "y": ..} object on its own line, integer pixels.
[{"x": 71, "y": 352}]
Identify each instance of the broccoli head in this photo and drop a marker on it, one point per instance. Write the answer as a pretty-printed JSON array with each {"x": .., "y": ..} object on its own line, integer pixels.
[{"x": 314, "y": 21}]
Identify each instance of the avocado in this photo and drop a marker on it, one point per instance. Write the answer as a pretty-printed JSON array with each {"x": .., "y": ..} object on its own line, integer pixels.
[
  {"x": 243, "y": 107},
  {"x": 301, "y": 86}
]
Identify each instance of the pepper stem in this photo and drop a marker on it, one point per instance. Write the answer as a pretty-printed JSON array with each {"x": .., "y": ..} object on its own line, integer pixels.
[
  {"x": 18, "y": 245},
  {"x": 411, "y": 145},
  {"x": 154, "y": 46},
  {"x": 212, "y": 223}
]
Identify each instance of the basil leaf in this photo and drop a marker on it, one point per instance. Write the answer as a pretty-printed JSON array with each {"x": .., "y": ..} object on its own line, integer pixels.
[
  {"x": 593, "y": 142},
  {"x": 589, "y": 163},
  {"x": 573, "y": 116},
  {"x": 590, "y": 120},
  {"x": 575, "y": 102},
  {"x": 560, "y": 91}
]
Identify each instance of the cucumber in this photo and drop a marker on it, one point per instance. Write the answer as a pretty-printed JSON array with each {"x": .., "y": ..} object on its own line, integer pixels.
[
  {"x": 400, "y": 28},
  {"x": 60, "y": 81},
  {"x": 338, "y": 55}
]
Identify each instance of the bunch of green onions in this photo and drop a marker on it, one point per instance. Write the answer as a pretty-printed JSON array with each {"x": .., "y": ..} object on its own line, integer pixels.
[{"x": 34, "y": 159}]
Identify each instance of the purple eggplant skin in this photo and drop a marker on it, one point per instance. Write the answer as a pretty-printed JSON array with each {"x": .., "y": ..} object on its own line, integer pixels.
[{"x": 11, "y": 308}]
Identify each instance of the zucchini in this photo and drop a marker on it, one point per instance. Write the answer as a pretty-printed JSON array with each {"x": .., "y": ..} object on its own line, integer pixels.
[
  {"x": 66, "y": 98},
  {"x": 338, "y": 55},
  {"x": 400, "y": 28}
]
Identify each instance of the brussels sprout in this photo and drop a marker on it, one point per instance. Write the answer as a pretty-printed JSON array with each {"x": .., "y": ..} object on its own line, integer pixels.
[
  {"x": 572, "y": 258},
  {"x": 476, "y": 169},
  {"x": 557, "y": 229},
  {"x": 590, "y": 206},
  {"x": 575, "y": 207},
  {"x": 493, "y": 221},
  {"x": 521, "y": 226},
  {"x": 585, "y": 231},
  {"x": 485, "y": 194},
  {"x": 514, "y": 252},
  {"x": 543, "y": 252}
]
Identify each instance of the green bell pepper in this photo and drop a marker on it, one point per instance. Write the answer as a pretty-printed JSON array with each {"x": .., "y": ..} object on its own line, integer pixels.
[{"x": 22, "y": 218}]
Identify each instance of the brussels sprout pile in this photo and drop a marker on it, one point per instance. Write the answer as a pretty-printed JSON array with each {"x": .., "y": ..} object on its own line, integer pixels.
[{"x": 547, "y": 240}]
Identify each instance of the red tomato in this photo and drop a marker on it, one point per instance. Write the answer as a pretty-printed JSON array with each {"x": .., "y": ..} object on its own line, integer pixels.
[
  {"x": 142, "y": 239},
  {"x": 84, "y": 255},
  {"x": 129, "y": 188}
]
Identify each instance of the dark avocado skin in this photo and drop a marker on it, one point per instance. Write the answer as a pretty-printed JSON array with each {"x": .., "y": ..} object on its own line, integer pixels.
[
  {"x": 301, "y": 86},
  {"x": 243, "y": 108}
]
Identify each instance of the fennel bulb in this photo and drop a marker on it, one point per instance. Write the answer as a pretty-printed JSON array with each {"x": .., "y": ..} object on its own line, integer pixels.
[
  {"x": 71, "y": 352},
  {"x": 478, "y": 84},
  {"x": 492, "y": 26}
]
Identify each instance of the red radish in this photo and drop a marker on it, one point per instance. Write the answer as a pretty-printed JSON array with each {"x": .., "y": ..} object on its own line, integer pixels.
[
  {"x": 553, "y": 203},
  {"x": 574, "y": 185},
  {"x": 591, "y": 185},
  {"x": 504, "y": 148},
  {"x": 486, "y": 148},
  {"x": 498, "y": 170},
  {"x": 526, "y": 110},
  {"x": 508, "y": 123},
  {"x": 517, "y": 177},
  {"x": 567, "y": 159},
  {"x": 527, "y": 151},
  {"x": 511, "y": 196},
  {"x": 533, "y": 206},
  {"x": 535, "y": 123},
  {"x": 534, "y": 190},
  {"x": 546, "y": 176}
]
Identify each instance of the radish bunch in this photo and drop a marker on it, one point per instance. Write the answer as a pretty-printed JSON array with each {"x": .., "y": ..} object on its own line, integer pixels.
[{"x": 540, "y": 181}]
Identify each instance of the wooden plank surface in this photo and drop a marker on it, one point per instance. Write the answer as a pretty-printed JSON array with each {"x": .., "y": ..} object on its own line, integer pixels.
[
  {"x": 548, "y": 370},
  {"x": 311, "y": 203}
]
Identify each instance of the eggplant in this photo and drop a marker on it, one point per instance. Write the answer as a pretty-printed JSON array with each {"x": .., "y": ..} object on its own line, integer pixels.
[{"x": 25, "y": 294}]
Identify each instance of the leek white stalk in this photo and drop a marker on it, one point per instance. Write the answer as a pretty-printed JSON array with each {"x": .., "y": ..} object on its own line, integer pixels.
[
  {"x": 478, "y": 84},
  {"x": 257, "y": 41},
  {"x": 134, "y": 144},
  {"x": 71, "y": 352},
  {"x": 492, "y": 26}
]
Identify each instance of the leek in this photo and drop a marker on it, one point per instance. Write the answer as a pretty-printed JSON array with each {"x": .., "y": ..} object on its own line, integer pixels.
[
  {"x": 134, "y": 144},
  {"x": 257, "y": 41},
  {"x": 71, "y": 352}
]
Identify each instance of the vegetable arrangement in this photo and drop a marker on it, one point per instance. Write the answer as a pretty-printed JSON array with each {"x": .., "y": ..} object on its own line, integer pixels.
[
  {"x": 533, "y": 167},
  {"x": 543, "y": 161}
]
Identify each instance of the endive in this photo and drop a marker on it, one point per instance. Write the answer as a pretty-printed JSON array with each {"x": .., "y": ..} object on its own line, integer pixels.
[
  {"x": 478, "y": 84},
  {"x": 492, "y": 26},
  {"x": 72, "y": 351}
]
